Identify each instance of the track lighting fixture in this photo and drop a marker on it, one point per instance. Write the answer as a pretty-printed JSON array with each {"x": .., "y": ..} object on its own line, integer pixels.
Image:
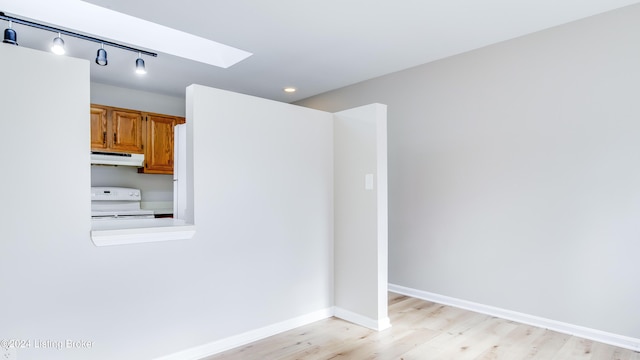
[
  {"x": 58, "y": 46},
  {"x": 140, "y": 69},
  {"x": 101, "y": 57},
  {"x": 10, "y": 36}
]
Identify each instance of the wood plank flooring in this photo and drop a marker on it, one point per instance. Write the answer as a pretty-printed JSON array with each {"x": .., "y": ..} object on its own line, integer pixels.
[{"x": 425, "y": 330}]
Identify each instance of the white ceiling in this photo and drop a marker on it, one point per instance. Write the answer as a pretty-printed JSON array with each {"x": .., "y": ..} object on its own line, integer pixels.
[{"x": 315, "y": 45}]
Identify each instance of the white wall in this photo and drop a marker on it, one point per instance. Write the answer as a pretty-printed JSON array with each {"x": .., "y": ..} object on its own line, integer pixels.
[
  {"x": 513, "y": 172},
  {"x": 44, "y": 244},
  {"x": 263, "y": 207},
  {"x": 136, "y": 99},
  {"x": 143, "y": 301},
  {"x": 360, "y": 213}
]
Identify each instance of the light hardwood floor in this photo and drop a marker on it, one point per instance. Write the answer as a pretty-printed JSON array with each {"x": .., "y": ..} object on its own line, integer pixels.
[{"x": 426, "y": 330}]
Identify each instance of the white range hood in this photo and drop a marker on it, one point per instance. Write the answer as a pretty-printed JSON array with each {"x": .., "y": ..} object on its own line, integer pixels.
[{"x": 122, "y": 159}]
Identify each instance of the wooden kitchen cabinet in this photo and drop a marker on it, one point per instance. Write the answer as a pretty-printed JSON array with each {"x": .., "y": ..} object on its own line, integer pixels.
[
  {"x": 126, "y": 131},
  {"x": 98, "y": 128},
  {"x": 130, "y": 131},
  {"x": 158, "y": 156},
  {"x": 116, "y": 130}
]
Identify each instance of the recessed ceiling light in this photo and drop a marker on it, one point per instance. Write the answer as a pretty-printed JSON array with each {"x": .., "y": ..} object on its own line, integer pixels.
[{"x": 290, "y": 89}]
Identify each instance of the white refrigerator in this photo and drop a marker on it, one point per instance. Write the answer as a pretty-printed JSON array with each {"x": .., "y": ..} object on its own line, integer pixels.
[{"x": 180, "y": 172}]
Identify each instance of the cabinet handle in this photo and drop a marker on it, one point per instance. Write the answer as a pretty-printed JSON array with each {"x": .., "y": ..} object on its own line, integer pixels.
[
  {"x": 104, "y": 138},
  {"x": 115, "y": 138}
]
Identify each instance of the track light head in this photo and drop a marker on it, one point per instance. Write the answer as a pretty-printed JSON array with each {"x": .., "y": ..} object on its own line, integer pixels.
[
  {"x": 58, "y": 45},
  {"x": 10, "y": 36},
  {"x": 101, "y": 57},
  {"x": 140, "y": 69}
]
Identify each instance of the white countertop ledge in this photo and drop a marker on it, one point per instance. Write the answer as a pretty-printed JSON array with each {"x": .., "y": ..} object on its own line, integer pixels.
[{"x": 129, "y": 231}]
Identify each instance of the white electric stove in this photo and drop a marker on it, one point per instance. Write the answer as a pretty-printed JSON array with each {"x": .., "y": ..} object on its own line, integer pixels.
[{"x": 113, "y": 203}]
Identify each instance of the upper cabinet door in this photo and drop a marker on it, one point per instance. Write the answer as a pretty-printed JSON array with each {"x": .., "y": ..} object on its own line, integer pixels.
[
  {"x": 98, "y": 128},
  {"x": 159, "y": 151},
  {"x": 127, "y": 131}
]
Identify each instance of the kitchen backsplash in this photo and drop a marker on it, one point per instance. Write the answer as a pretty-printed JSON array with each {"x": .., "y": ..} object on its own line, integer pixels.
[{"x": 154, "y": 188}]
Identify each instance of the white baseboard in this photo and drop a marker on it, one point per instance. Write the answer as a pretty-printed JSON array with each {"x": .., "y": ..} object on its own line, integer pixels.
[
  {"x": 361, "y": 320},
  {"x": 225, "y": 344},
  {"x": 579, "y": 331}
]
